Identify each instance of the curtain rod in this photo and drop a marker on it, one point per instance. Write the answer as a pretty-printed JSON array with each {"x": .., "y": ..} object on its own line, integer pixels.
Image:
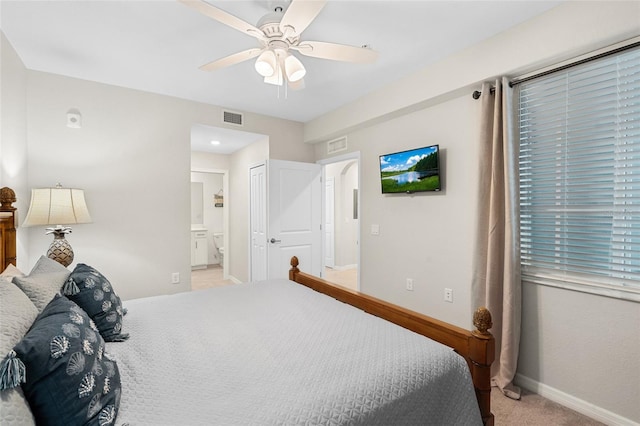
[{"x": 476, "y": 94}]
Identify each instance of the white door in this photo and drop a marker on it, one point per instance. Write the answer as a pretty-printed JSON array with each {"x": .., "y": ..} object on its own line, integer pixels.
[
  {"x": 258, "y": 223},
  {"x": 329, "y": 214},
  {"x": 295, "y": 205}
]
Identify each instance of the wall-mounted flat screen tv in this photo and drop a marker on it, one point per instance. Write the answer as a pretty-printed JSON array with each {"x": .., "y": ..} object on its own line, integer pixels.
[{"x": 416, "y": 170}]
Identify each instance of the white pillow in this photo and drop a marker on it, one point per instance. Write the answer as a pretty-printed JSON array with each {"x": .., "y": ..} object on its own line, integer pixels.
[
  {"x": 43, "y": 282},
  {"x": 17, "y": 313}
]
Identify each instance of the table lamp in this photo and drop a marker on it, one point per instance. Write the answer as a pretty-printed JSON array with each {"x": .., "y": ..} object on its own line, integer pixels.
[{"x": 58, "y": 206}]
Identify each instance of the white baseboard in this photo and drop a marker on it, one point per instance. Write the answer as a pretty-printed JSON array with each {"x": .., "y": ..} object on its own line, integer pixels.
[
  {"x": 234, "y": 279},
  {"x": 576, "y": 404}
]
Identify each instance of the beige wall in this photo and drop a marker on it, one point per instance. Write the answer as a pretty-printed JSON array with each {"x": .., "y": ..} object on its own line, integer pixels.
[
  {"x": 132, "y": 157},
  {"x": 205, "y": 160},
  {"x": 424, "y": 236}
]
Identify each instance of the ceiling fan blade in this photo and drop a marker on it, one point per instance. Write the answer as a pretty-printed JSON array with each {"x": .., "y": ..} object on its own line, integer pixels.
[
  {"x": 224, "y": 17},
  {"x": 231, "y": 59},
  {"x": 300, "y": 13},
  {"x": 336, "y": 52}
]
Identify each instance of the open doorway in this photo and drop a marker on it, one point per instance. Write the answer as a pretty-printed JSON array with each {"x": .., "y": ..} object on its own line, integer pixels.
[
  {"x": 341, "y": 236},
  {"x": 223, "y": 151},
  {"x": 209, "y": 225}
]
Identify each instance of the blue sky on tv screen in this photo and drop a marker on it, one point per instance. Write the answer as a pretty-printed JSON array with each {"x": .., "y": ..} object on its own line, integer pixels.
[{"x": 403, "y": 160}]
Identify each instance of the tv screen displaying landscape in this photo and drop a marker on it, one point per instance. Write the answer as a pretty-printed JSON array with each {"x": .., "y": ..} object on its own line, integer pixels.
[{"x": 416, "y": 170}]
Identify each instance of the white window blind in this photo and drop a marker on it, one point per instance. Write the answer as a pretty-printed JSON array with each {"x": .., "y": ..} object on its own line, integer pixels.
[{"x": 579, "y": 162}]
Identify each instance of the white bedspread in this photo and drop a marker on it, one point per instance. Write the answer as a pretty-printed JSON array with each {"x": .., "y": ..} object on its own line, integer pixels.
[{"x": 278, "y": 353}]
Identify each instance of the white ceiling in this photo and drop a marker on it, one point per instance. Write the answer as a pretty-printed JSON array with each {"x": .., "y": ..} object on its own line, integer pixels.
[{"x": 158, "y": 45}]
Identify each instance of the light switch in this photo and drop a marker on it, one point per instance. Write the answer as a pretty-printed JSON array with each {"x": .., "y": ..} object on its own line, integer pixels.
[{"x": 375, "y": 229}]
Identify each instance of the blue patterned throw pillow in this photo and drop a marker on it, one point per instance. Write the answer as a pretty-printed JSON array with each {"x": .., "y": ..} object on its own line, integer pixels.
[
  {"x": 69, "y": 378},
  {"x": 94, "y": 293}
]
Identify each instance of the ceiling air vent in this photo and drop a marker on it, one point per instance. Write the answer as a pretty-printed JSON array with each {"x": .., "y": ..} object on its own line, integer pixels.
[
  {"x": 337, "y": 145},
  {"x": 234, "y": 118}
]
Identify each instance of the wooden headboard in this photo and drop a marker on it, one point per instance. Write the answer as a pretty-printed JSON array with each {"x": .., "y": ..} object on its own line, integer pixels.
[{"x": 7, "y": 228}]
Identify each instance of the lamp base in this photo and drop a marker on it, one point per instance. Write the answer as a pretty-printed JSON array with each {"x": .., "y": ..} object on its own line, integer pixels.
[{"x": 60, "y": 250}]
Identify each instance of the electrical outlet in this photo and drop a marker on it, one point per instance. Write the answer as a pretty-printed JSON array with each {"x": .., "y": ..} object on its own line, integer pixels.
[
  {"x": 448, "y": 295},
  {"x": 175, "y": 278},
  {"x": 409, "y": 284}
]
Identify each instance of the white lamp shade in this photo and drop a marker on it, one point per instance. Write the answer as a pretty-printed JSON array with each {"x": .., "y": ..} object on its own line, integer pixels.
[
  {"x": 266, "y": 63},
  {"x": 57, "y": 206},
  {"x": 294, "y": 68}
]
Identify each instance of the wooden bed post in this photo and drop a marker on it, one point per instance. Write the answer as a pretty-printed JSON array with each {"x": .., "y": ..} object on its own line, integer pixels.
[
  {"x": 294, "y": 268},
  {"x": 482, "y": 354},
  {"x": 7, "y": 228},
  {"x": 477, "y": 346}
]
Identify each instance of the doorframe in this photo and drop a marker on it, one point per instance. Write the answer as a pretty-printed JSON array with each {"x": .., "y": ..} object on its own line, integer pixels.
[
  {"x": 264, "y": 213},
  {"x": 338, "y": 159},
  {"x": 225, "y": 213}
]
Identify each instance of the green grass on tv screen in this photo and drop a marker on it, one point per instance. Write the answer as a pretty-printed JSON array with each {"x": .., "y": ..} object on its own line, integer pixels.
[{"x": 428, "y": 184}]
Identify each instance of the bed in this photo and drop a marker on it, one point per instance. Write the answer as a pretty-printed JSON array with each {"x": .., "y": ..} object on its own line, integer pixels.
[{"x": 296, "y": 351}]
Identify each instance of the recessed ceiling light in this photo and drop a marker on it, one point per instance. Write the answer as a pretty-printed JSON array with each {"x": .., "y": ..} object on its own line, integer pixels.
[{"x": 215, "y": 142}]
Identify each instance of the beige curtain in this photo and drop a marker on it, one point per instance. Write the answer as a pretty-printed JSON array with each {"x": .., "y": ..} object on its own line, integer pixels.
[{"x": 496, "y": 274}]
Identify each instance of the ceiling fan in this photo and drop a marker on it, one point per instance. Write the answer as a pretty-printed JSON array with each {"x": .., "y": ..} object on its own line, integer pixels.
[{"x": 278, "y": 33}]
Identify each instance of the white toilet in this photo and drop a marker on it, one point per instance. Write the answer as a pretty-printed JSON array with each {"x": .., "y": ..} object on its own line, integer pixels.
[{"x": 218, "y": 241}]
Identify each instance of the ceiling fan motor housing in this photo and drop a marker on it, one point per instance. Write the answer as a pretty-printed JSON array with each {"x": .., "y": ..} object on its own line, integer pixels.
[{"x": 270, "y": 26}]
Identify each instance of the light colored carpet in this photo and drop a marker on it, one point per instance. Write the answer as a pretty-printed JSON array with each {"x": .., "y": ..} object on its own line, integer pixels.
[{"x": 534, "y": 410}]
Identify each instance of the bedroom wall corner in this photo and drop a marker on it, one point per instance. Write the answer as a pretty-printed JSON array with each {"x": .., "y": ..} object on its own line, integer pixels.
[{"x": 13, "y": 138}]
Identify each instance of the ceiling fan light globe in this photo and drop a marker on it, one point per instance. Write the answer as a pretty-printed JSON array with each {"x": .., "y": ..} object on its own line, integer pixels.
[
  {"x": 264, "y": 69},
  {"x": 294, "y": 68},
  {"x": 266, "y": 63},
  {"x": 276, "y": 79},
  {"x": 296, "y": 85}
]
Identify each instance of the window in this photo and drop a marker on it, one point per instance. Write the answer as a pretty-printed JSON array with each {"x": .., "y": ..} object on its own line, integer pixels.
[{"x": 579, "y": 159}]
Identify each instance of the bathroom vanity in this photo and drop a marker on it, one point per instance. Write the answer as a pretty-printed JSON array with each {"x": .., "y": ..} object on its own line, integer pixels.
[{"x": 199, "y": 248}]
